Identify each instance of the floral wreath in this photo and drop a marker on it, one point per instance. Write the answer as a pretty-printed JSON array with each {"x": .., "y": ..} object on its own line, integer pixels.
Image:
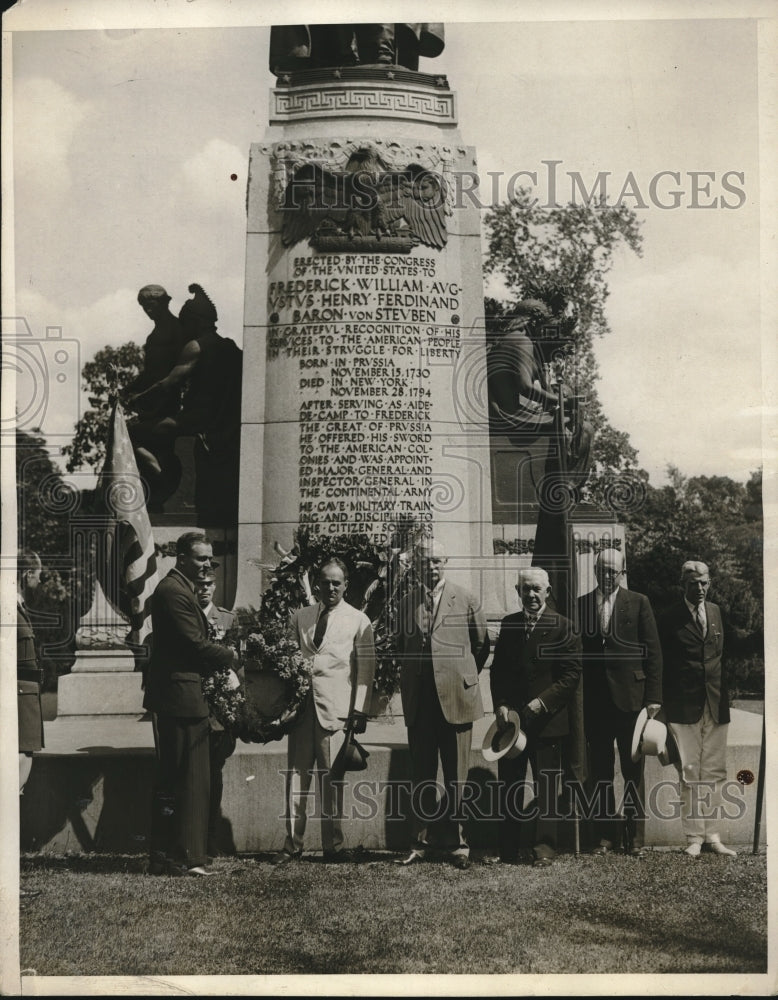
[{"x": 380, "y": 577}]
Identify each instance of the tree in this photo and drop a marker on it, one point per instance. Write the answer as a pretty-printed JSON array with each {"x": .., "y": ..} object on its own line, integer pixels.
[
  {"x": 45, "y": 504},
  {"x": 111, "y": 371},
  {"x": 572, "y": 247}
]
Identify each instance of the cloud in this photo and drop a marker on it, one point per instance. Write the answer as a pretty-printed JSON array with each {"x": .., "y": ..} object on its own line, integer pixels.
[
  {"x": 46, "y": 118},
  {"x": 207, "y": 188},
  {"x": 681, "y": 372},
  {"x": 63, "y": 338}
]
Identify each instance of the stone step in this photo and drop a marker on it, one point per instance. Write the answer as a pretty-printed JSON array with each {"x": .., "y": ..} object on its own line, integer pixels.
[{"x": 89, "y": 789}]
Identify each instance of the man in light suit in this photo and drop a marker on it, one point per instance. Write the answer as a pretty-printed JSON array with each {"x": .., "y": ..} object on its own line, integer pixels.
[
  {"x": 443, "y": 646},
  {"x": 182, "y": 655},
  {"x": 697, "y": 707},
  {"x": 622, "y": 674},
  {"x": 536, "y": 671},
  {"x": 338, "y": 640}
]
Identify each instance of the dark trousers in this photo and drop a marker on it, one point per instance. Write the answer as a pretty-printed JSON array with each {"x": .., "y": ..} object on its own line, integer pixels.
[
  {"x": 607, "y": 726},
  {"x": 221, "y": 747},
  {"x": 430, "y": 737},
  {"x": 535, "y": 825},
  {"x": 179, "y": 820}
]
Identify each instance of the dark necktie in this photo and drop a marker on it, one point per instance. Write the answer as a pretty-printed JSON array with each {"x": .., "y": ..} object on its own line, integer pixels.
[
  {"x": 529, "y": 624},
  {"x": 429, "y": 609},
  {"x": 321, "y": 628}
]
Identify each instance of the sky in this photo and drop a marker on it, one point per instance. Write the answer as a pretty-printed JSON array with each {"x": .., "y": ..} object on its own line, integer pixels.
[{"x": 125, "y": 142}]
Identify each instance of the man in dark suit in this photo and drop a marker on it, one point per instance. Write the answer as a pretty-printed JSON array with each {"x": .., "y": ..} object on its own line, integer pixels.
[
  {"x": 622, "y": 674},
  {"x": 443, "y": 646},
  {"x": 29, "y": 676},
  {"x": 221, "y": 743},
  {"x": 535, "y": 671},
  {"x": 182, "y": 655},
  {"x": 697, "y": 706}
]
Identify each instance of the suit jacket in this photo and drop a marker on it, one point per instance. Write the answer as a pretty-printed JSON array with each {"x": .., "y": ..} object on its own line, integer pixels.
[
  {"x": 182, "y": 654},
  {"x": 459, "y": 646},
  {"x": 693, "y": 671},
  {"x": 344, "y": 665},
  {"x": 28, "y": 685},
  {"x": 545, "y": 665},
  {"x": 626, "y": 664}
]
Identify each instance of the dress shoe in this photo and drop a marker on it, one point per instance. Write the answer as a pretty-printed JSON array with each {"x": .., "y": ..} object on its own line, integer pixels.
[
  {"x": 693, "y": 850},
  {"x": 413, "y": 858},
  {"x": 460, "y": 861},
  {"x": 638, "y": 852},
  {"x": 284, "y": 858},
  {"x": 344, "y": 856},
  {"x": 718, "y": 848},
  {"x": 29, "y": 893},
  {"x": 542, "y": 862},
  {"x": 199, "y": 871},
  {"x": 603, "y": 848},
  {"x": 157, "y": 866}
]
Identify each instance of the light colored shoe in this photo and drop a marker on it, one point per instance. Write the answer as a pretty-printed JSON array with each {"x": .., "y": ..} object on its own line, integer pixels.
[
  {"x": 413, "y": 858},
  {"x": 198, "y": 871},
  {"x": 718, "y": 848},
  {"x": 693, "y": 850}
]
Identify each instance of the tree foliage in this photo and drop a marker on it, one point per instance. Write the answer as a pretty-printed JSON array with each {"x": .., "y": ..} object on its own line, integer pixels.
[
  {"x": 110, "y": 372},
  {"x": 45, "y": 504},
  {"x": 572, "y": 246}
]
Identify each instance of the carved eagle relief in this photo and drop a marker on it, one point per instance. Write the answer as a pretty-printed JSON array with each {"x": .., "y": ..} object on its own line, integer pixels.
[{"x": 365, "y": 204}]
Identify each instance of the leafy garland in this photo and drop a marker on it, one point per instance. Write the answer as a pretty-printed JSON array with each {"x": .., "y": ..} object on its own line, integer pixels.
[
  {"x": 380, "y": 577},
  {"x": 226, "y": 702}
]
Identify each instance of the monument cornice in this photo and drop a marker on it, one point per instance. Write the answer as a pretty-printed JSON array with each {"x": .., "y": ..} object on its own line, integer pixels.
[{"x": 396, "y": 94}]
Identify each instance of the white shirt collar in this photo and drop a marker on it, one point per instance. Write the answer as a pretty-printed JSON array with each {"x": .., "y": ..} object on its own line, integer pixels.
[
  {"x": 693, "y": 609},
  {"x": 534, "y": 618},
  {"x": 611, "y": 598},
  {"x": 333, "y": 611}
]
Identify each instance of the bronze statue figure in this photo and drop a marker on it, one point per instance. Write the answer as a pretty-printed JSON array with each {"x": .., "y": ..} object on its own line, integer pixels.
[
  {"x": 210, "y": 369},
  {"x": 296, "y": 47}
]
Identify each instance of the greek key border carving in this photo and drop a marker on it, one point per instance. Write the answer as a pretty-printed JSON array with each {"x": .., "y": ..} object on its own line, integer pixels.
[{"x": 350, "y": 101}]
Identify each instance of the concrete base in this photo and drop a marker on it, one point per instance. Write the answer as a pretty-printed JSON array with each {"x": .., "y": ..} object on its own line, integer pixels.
[
  {"x": 102, "y": 682},
  {"x": 89, "y": 790}
]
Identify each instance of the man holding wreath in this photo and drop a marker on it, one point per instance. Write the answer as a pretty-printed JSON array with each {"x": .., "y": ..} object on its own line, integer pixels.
[{"x": 337, "y": 639}]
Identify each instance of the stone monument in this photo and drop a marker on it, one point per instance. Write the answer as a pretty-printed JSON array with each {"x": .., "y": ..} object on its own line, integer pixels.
[{"x": 364, "y": 399}]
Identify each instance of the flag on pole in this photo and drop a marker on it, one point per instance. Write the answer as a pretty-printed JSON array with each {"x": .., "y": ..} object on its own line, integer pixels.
[{"x": 128, "y": 573}]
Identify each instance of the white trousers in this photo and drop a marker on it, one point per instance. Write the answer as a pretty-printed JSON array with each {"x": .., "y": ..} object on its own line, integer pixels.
[
  {"x": 309, "y": 746},
  {"x": 703, "y": 750}
]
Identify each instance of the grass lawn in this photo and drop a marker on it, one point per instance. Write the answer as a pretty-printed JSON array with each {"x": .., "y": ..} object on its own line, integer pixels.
[{"x": 100, "y": 915}]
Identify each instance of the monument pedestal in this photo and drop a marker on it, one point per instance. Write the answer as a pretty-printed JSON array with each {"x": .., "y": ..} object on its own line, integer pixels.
[
  {"x": 364, "y": 348},
  {"x": 102, "y": 682}
]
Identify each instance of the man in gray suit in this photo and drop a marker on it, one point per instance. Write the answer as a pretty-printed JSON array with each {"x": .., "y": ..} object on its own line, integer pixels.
[{"x": 443, "y": 645}]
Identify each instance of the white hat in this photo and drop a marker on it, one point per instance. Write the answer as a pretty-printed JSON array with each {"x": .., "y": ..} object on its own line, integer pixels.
[
  {"x": 649, "y": 737},
  {"x": 508, "y": 743}
]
